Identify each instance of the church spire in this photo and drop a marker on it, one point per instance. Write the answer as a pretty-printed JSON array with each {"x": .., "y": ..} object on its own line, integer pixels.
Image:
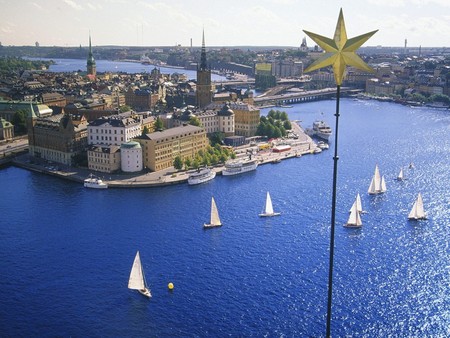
[
  {"x": 91, "y": 67},
  {"x": 203, "y": 65}
]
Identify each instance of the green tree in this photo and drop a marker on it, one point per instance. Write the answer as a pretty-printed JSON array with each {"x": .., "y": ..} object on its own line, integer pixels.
[
  {"x": 19, "y": 120},
  {"x": 216, "y": 138},
  {"x": 145, "y": 131},
  {"x": 159, "y": 124},
  {"x": 178, "y": 163},
  {"x": 187, "y": 163},
  {"x": 194, "y": 121},
  {"x": 125, "y": 108},
  {"x": 287, "y": 125}
]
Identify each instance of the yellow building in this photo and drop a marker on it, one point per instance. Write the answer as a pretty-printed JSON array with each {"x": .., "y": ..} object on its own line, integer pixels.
[
  {"x": 160, "y": 148},
  {"x": 246, "y": 117}
]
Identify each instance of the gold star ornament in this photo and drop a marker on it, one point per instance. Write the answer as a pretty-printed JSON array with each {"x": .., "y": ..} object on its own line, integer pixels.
[{"x": 339, "y": 52}]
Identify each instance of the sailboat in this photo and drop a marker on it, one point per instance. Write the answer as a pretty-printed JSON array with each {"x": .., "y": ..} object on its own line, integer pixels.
[
  {"x": 378, "y": 184},
  {"x": 268, "y": 211},
  {"x": 137, "y": 278},
  {"x": 215, "y": 220},
  {"x": 400, "y": 176},
  {"x": 417, "y": 211},
  {"x": 358, "y": 204},
  {"x": 354, "y": 220}
]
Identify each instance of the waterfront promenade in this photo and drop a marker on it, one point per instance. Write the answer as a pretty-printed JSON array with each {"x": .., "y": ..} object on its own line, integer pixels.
[{"x": 300, "y": 146}]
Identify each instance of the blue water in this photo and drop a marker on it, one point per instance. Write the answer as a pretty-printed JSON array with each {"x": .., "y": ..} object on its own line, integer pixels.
[
  {"x": 66, "y": 252},
  {"x": 74, "y": 65}
]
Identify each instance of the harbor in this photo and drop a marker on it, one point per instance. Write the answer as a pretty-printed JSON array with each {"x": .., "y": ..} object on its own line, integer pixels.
[
  {"x": 301, "y": 145},
  {"x": 252, "y": 276}
]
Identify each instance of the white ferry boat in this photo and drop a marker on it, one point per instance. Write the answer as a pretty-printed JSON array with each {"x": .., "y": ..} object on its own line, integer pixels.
[
  {"x": 320, "y": 129},
  {"x": 201, "y": 176},
  {"x": 94, "y": 182},
  {"x": 239, "y": 167}
]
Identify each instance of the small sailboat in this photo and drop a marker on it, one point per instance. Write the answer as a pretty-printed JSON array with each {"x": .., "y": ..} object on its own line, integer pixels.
[
  {"x": 268, "y": 211},
  {"x": 137, "y": 278},
  {"x": 215, "y": 220},
  {"x": 400, "y": 176},
  {"x": 378, "y": 184},
  {"x": 417, "y": 211},
  {"x": 358, "y": 204},
  {"x": 354, "y": 220}
]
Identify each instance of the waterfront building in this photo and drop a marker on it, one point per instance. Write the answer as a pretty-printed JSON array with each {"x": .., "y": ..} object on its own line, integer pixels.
[
  {"x": 160, "y": 148},
  {"x": 131, "y": 157},
  {"x": 6, "y": 130},
  {"x": 113, "y": 130},
  {"x": 104, "y": 159},
  {"x": 204, "y": 88},
  {"x": 91, "y": 66},
  {"x": 246, "y": 118},
  {"x": 58, "y": 138}
]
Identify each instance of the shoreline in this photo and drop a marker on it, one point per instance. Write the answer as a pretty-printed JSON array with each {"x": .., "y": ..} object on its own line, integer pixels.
[{"x": 304, "y": 145}]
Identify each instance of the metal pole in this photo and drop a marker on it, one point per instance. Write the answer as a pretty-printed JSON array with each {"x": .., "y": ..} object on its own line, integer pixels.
[{"x": 333, "y": 216}]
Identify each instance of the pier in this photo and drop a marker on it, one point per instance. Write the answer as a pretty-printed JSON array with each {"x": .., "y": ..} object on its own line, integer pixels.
[{"x": 303, "y": 145}]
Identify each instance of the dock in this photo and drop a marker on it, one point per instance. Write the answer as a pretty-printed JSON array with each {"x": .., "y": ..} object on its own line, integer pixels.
[{"x": 302, "y": 145}]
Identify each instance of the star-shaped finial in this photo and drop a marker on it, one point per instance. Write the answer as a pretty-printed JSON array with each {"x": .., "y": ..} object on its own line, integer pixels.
[{"x": 339, "y": 52}]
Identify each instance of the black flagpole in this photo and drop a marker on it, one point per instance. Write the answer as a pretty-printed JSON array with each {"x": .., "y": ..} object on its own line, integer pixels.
[{"x": 333, "y": 215}]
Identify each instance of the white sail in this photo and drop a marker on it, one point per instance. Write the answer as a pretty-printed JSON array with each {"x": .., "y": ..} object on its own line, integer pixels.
[
  {"x": 269, "y": 207},
  {"x": 357, "y": 203},
  {"x": 215, "y": 220},
  {"x": 417, "y": 211},
  {"x": 354, "y": 220},
  {"x": 136, "y": 281},
  {"x": 383, "y": 185},
  {"x": 400, "y": 175},
  {"x": 378, "y": 184},
  {"x": 268, "y": 210}
]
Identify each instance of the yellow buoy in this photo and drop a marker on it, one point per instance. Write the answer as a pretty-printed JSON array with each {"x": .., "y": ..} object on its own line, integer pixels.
[{"x": 170, "y": 286}]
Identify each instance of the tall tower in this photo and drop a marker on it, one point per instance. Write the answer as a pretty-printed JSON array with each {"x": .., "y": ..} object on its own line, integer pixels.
[
  {"x": 204, "y": 87},
  {"x": 91, "y": 67}
]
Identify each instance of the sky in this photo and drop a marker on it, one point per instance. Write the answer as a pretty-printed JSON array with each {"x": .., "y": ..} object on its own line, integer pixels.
[{"x": 423, "y": 23}]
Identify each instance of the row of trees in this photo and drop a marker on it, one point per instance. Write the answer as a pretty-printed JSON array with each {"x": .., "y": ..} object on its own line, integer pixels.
[
  {"x": 14, "y": 64},
  {"x": 275, "y": 125},
  {"x": 211, "y": 156}
]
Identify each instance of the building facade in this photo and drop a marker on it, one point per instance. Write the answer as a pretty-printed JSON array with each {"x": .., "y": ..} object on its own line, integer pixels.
[
  {"x": 59, "y": 138},
  {"x": 246, "y": 118},
  {"x": 113, "y": 130},
  {"x": 104, "y": 159},
  {"x": 160, "y": 148},
  {"x": 131, "y": 157}
]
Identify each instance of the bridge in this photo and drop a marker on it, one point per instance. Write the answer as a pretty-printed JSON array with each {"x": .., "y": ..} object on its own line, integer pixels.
[{"x": 301, "y": 96}]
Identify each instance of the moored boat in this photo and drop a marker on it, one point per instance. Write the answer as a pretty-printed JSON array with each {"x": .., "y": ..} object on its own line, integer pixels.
[
  {"x": 201, "y": 176},
  {"x": 320, "y": 129},
  {"x": 239, "y": 166},
  {"x": 94, "y": 182}
]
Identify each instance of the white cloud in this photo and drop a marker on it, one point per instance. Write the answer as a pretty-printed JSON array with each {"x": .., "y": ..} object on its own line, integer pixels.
[
  {"x": 36, "y": 5},
  {"x": 73, "y": 4}
]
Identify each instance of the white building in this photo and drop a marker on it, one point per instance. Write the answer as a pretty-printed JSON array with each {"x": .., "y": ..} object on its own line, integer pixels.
[
  {"x": 131, "y": 157},
  {"x": 216, "y": 119},
  {"x": 113, "y": 130}
]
